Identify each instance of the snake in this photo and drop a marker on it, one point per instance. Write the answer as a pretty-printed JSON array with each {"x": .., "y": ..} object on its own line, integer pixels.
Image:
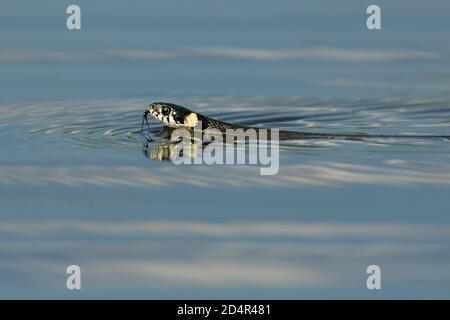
[{"x": 174, "y": 117}]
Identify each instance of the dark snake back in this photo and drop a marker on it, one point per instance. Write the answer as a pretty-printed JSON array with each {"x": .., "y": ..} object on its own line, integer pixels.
[{"x": 208, "y": 123}]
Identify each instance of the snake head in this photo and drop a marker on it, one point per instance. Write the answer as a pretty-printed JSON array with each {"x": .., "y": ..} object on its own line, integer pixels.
[{"x": 172, "y": 115}]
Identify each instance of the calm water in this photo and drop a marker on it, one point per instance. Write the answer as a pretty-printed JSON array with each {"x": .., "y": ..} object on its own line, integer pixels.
[{"x": 77, "y": 187}]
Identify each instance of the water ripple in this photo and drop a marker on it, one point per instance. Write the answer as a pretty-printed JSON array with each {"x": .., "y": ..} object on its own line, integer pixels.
[{"x": 115, "y": 122}]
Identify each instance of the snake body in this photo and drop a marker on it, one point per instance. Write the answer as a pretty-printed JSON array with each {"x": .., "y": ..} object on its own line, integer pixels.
[{"x": 173, "y": 116}]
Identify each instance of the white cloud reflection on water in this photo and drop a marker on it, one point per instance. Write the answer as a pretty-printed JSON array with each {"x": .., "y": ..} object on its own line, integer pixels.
[
  {"x": 157, "y": 255},
  {"x": 239, "y": 53},
  {"x": 243, "y": 229},
  {"x": 319, "y": 174}
]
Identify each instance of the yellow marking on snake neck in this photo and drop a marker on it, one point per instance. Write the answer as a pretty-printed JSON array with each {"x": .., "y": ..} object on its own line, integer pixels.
[{"x": 191, "y": 120}]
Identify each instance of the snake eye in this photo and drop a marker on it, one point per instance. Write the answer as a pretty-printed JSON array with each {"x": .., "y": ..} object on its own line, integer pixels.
[{"x": 165, "y": 110}]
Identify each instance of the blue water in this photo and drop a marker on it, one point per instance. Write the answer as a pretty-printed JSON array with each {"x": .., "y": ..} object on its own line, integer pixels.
[{"x": 78, "y": 187}]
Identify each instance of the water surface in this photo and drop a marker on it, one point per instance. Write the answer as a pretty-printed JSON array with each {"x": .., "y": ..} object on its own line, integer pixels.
[
  {"x": 78, "y": 188},
  {"x": 77, "y": 185}
]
